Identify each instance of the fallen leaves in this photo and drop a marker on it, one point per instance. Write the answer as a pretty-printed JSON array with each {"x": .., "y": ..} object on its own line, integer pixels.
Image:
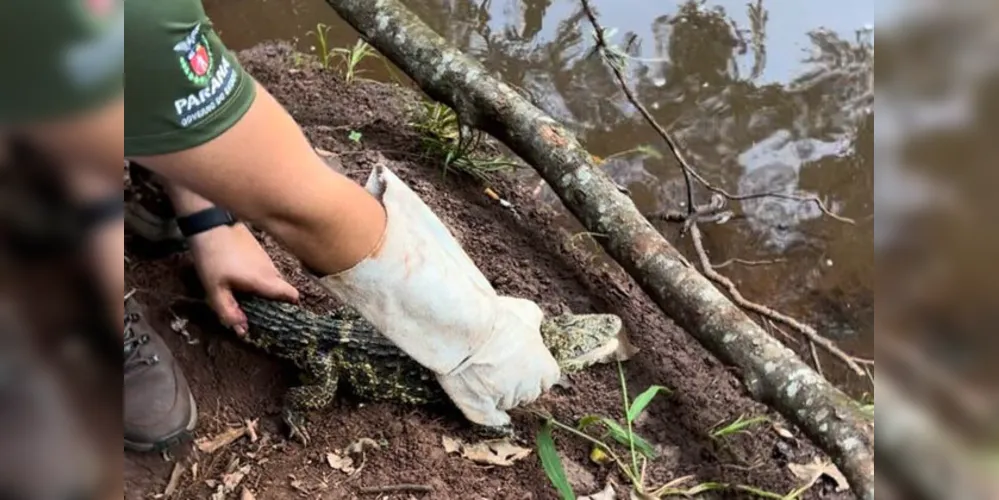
[
  {"x": 813, "y": 471},
  {"x": 174, "y": 482},
  {"x": 179, "y": 326},
  {"x": 226, "y": 438},
  {"x": 499, "y": 452},
  {"x": 341, "y": 463},
  {"x": 345, "y": 460},
  {"x": 783, "y": 432},
  {"x": 229, "y": 483}
]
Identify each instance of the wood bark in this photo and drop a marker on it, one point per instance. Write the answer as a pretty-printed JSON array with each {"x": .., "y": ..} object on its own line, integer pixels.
[{"x": 774, "y": 374}]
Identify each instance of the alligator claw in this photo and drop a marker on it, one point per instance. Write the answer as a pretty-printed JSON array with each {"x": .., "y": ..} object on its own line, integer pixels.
[{"x": 296, "y": 426}]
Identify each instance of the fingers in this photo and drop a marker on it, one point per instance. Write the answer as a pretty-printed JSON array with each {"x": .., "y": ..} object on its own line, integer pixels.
[
  {"x": 221, "y": 300},
  {"x": 274, "y": 288},
  {"x": 227, "y": 308}
]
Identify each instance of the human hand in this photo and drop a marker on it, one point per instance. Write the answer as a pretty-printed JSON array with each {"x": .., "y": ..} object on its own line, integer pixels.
[{"x": 228, "y": 259}]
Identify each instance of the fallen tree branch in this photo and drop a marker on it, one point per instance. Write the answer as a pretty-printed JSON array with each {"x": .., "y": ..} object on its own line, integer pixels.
[{"x": 774, "y": 374}]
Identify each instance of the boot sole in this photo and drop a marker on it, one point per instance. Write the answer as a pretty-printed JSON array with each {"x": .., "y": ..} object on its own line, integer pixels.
[{"x": 168, "y": 442}]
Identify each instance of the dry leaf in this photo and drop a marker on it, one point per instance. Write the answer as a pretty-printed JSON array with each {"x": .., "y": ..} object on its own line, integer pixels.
[
  {"x": 175, "y": 475},
  {"x": 782, "y": 432},
  {"x": 607, "y": 493},
  {"x": 194, "y": 471},
  {"x": 497, "y": 452},
  {"x": 451, "y": 445},
  {"x": 325, "y": 154},
  {"x": 340, "y": 463},
  {"x": 813, "y": 471},
  {"x": 179, "y": 325},
  {"x": 211, "y": 445},
  {"x": 231, "y": 481}
]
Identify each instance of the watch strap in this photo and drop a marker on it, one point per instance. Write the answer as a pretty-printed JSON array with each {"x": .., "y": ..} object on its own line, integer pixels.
[{"x": 204, "y": 220}]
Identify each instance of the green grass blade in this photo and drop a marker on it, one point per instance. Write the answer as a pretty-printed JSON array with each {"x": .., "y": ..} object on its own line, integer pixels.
[
  {"x": 643, "y": 400},
  {"x": 552, "y": 463},
  {"x": 620, "y": 434}
]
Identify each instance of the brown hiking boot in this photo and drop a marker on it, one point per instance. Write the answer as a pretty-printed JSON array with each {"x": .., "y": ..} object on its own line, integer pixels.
[
  {"x": 159, "y": 408},
  {"x": 44, "y": 453}
]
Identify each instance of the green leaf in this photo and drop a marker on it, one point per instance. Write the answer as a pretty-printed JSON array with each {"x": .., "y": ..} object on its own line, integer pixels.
[
  {"x": 620, "y": 434},
  {"x": 354, "y": 136},
  {"x": 588, "y": 420},
  {"x": 643, "y": 400},
  {"x": 552, "y": 463}
]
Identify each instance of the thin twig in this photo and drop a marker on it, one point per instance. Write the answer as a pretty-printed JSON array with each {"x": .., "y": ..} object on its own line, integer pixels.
[
  {"x": 688, "y": 170},
  {"x": 809, "y": 332},
  {"x": 815, "y": 358},
  {"x": 602, "y": 46},
  {"x": 748, "y": 263},
  {"x": 396, "y": 488}
]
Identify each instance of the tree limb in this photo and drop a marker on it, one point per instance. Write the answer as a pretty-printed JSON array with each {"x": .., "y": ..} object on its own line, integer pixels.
[{"x": 773, "y": 373}]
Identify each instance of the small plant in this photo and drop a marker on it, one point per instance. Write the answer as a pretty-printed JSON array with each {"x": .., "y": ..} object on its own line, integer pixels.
[
  {"x": 739, "y": 426},
  {"x": 444, "y": 137},
  {"x": 639, "y": 449},
  {"x": 351, "y": 57},
  {"x": 354, "y": 136},
  {"x": 322, "y": 44}
]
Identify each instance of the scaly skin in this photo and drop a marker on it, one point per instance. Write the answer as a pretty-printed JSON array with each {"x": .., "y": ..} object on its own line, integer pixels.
[{"x": 344, "y": 349}]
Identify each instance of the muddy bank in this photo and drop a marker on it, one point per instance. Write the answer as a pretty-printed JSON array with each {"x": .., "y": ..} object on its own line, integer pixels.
[{"x": 523, "y": 255}]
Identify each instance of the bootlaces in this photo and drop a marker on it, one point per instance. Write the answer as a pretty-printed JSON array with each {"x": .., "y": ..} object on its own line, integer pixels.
[{"x": 135, "y": 356}]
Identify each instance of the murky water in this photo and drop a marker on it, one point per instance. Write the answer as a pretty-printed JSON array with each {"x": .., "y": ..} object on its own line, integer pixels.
[{"x": 774, "y": 95}]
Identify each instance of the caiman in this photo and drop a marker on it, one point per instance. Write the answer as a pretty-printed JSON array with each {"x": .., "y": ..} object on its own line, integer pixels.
[{"x": 343, "y": 349}]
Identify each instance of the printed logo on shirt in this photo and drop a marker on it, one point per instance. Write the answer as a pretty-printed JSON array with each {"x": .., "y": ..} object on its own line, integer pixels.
[
  {"x": 217, "y": 81},
  {"x": 196, "y": 57}
]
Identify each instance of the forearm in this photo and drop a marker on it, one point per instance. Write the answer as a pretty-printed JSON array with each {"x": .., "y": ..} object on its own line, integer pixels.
[
  {"x": 264, "y": 170},
  {"x": 184, "y": 201}
]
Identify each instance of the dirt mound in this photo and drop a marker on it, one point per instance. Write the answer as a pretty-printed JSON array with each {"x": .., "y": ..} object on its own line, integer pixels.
[{"x": 522, "y": 254}]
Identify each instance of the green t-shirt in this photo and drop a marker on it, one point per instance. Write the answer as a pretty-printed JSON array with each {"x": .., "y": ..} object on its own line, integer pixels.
[{"x": 62, "y": 57}]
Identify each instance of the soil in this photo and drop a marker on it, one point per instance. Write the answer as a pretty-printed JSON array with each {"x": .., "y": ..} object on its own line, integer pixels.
[{"x": 523, "y": 254}]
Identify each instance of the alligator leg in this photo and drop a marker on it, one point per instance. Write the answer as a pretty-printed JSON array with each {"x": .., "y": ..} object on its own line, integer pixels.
[{"x": 319, "y": 381}]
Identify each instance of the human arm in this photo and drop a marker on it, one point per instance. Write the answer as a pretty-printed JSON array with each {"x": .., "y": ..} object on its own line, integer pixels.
[
  {"x": 284, "y": 188},
  {"x": 228, "y": 259}
]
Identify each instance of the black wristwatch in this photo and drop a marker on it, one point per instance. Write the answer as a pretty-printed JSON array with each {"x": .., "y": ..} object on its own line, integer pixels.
[{"x": 204, "y": 220}]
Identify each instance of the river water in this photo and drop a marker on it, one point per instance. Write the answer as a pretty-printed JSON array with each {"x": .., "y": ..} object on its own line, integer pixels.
[{"x": 773, "y": 95}]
